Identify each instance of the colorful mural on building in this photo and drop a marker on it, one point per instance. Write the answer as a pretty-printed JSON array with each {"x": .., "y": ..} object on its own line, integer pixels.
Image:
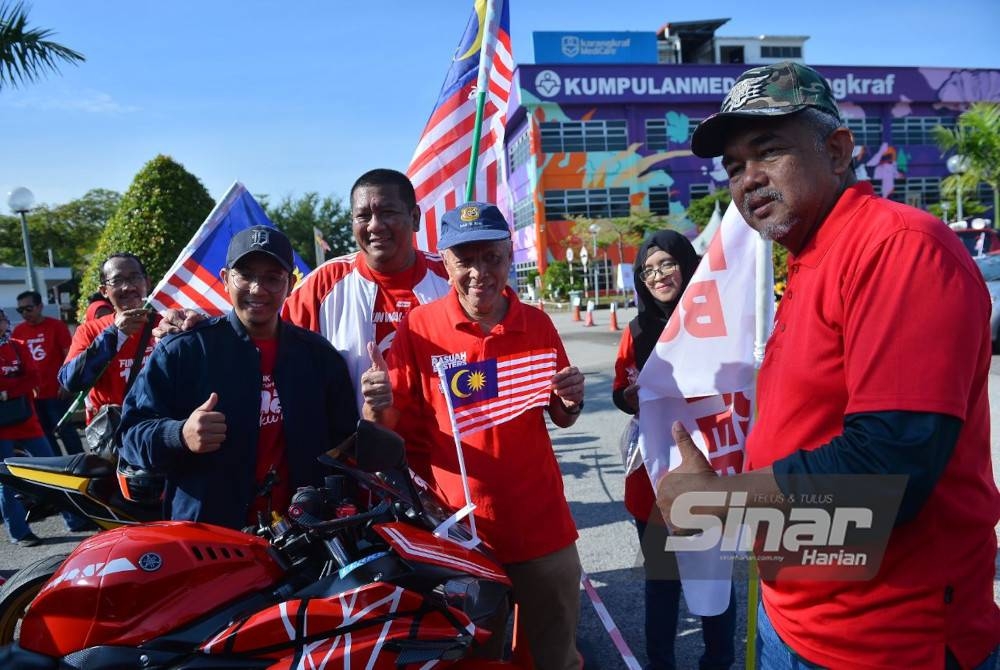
[{"x": 577, "y": 134}]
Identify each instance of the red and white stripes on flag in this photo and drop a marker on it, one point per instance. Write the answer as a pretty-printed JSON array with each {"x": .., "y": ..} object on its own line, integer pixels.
[
  {"x": 193, "y": 282},
  {"x": 523, "y": 381},
  {"x": 440, "y": 165}
]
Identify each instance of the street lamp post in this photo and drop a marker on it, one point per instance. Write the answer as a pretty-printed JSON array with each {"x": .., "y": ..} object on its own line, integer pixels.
[
  {"x": 594, "y": 229},
  {"x": 583, "y": 261},
  {"x": 569, "y": 262},
  {"x": 20, "y": 201},
  {"x": 958, "y": 164}
]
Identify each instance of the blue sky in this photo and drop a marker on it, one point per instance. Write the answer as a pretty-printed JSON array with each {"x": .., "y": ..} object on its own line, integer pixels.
[{"x": 304, "y": 96}]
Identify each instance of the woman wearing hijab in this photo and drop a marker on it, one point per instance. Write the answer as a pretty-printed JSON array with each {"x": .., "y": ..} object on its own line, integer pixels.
[
  {"x": 663, "y": 267},
  {"x": 19, "y": 427}
]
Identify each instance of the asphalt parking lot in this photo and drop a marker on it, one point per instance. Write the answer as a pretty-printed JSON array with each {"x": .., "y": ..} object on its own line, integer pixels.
[{"x": 594, "y": 482}]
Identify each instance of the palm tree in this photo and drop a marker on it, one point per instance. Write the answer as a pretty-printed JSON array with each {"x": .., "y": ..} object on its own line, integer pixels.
[
  {"x": 976, "y": 136},
  {"x": 25, "y": 53}
]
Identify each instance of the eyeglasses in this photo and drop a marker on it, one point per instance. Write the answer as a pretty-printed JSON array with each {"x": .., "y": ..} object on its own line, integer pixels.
[
  {"x": 25, "y": 308},
  {"x": 120, "y": 280},
  {"x": 272, "y": 282},
  {"x": 664, "y": 269}
]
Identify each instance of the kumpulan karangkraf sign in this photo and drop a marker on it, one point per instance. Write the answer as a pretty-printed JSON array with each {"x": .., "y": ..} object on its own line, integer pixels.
[{"x": 566, "y": 84}]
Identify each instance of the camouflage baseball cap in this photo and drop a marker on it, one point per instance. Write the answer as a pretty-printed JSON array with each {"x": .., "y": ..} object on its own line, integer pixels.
[{"x": 768, "y": 90}]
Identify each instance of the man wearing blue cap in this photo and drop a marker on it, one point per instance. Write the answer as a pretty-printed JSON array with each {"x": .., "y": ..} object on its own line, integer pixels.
[
  {"x": 228, "y": 444},
  {"x": 504, "y": 366}
]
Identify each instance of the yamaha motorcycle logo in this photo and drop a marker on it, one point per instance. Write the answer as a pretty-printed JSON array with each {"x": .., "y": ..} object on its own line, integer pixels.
[{"x": 150, "y": 562}]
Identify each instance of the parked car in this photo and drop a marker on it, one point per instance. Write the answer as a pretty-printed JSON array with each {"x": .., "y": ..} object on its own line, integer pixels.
[
  {"x": 990, "y": 267},
  {"x": 980, "y": 241}
]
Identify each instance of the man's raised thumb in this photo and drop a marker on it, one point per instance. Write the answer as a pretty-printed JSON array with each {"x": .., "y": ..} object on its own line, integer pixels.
[
  {"x": 684, "y": 442},
  {"x": 210, "y": 404},
  {"x": 378, "y": 362}
]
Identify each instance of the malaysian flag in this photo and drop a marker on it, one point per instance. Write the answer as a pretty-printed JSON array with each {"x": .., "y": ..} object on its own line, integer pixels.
[
  {"x": 490, "y": 392},
  {"x": 440, "y": 165},
  {"x": 193, "y": 281}
]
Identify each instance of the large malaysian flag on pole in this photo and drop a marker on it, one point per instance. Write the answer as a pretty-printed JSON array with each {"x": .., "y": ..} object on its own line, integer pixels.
[
  {"x": 450, "y": 148},
  {"x": 192, "y": 282}
]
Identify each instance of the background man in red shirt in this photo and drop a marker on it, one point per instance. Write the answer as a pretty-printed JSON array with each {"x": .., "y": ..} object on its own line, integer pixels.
[{"x": 48, "y": 340}]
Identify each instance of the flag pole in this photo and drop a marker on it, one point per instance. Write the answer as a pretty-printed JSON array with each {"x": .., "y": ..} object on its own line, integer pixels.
[
  {"x": 764, "y": 305},
  {"x": 482, "y": 88},
  {"x": 442, "y": 530}
]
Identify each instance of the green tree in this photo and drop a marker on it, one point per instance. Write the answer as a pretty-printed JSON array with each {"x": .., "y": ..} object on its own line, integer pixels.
[
  {"x": 25, "y": 52},
  {"x": 556, "y": 281},
  {"x": 298, "y": 217},
  {"x": 700, "y": 210},
  {"x": 620, "y": 232},
  {"x": 976, "y": 136},
  {"x": 157, "y": 216}
]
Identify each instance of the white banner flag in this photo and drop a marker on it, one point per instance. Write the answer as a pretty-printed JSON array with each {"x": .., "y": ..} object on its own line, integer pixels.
[{"x": 701, "y": 373}]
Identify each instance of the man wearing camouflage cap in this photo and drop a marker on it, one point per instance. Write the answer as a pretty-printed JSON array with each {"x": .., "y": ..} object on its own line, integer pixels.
[{"x": 877, "y": 366}]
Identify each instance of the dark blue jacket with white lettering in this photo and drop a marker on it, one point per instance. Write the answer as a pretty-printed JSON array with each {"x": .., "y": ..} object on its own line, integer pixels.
[{"x": 317, "y": 404}]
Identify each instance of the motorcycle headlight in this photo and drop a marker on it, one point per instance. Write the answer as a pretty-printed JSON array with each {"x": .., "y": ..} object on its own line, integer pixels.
[{"x": 479, "y": 599}]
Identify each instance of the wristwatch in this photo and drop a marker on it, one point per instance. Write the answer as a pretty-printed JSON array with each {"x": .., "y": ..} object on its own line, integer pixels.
[{"x": 576, "y": 409}]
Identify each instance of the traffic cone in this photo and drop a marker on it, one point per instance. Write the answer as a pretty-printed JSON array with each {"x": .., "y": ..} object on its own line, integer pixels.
[
  {"x": 590, "y": 314},
  {"x": 613, "y": 323},
  {"x": 576, "y": 310}
]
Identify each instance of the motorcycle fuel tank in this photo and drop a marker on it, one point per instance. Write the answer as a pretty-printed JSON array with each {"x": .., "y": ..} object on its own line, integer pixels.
[{"x": 132, "y": 584}]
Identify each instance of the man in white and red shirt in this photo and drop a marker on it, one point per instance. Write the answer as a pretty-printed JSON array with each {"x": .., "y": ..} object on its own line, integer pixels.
[
  {"x": 48, "y": 340},
  {"x": 361, "y": 297}
]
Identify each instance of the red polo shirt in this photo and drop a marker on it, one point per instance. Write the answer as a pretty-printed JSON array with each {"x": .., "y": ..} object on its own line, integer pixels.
[
  {"x": 885, "y": 310},
  {"x": 514, "y": 478}
]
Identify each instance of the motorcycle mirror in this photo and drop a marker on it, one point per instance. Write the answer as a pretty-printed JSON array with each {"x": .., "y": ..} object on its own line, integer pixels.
[{"x": 374, "y": 448}]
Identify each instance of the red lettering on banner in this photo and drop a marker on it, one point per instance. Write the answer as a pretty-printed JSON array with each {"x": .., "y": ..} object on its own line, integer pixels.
[
  {"x": 702, "y": 309},
  {"x": 725, "y": 433},
  {"x": 716, "y": 254}
]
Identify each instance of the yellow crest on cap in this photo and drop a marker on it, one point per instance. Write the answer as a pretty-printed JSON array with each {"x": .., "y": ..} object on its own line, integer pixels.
[{"x": 470, "y": 213}]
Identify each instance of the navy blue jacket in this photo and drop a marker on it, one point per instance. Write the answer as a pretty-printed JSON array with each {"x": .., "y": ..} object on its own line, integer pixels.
[{"x": 317, "y": 404}]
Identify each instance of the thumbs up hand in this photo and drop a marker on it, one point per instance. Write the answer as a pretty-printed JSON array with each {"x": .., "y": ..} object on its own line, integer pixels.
[
  {"x": 694, "y": 473},
  {"x": 205, "y": 430},
  {"x": 375, "y": 387}
]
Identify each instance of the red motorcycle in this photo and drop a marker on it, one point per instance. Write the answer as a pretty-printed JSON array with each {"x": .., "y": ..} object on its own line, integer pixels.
[{"x": 353, "y": 576}]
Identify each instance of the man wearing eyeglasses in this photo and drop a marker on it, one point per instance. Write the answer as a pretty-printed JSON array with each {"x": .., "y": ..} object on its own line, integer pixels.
[
  {"x": 102, "y": 352},
  {"x": 236, "y": 409},
  {"x": 48, "y": 341}
]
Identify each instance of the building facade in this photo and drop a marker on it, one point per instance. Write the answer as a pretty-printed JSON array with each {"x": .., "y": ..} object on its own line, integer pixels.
[{"x": 598, "y": 140}]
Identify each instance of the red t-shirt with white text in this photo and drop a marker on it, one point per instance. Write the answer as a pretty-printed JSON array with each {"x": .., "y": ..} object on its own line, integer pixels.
[
  {"x": 271, "y": 438},
  {"x": 48, "y": 343}
]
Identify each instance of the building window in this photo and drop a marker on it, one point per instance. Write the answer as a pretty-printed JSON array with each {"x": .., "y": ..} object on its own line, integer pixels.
[
  {"x": 521, "y": 272},
  {"x": 696, "y": 191},
  {"x": 573, "y": 136},
  {"x": 518, "y": 152},
  {"x": 524, "y": 213},
  {"x": 656, "y": 133},
  {"x": 914, "y": 191},
  {"x": 659, "y": 200},
  {"x": 867, "y": 132},
  {"x": 918, "y": 129},
  {"x": 595, "y": 203},
  {"x": 780, "y": 52}
]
